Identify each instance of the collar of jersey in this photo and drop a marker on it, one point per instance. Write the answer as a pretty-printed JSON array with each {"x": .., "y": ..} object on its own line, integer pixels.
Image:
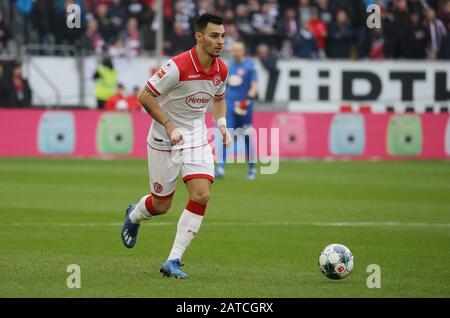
[{"x": 198, "y": 66}]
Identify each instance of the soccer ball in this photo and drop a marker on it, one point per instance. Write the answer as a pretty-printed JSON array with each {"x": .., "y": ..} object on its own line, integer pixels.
[{"x": 336, "y": 261}]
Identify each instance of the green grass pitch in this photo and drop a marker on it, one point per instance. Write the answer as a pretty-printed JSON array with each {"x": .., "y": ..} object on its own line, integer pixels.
[{"x": 259, "y": 239}]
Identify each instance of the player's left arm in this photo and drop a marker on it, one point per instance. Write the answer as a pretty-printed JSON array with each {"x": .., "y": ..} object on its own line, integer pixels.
[
  {"x": 219, "y": 112},
  {"x": 241, "y": 106},
  {"x": 253, "y": 91}
]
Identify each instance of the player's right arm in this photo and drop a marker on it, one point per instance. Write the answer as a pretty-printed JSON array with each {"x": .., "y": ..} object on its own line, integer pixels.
[
  {"x": 148, "y": 101},
  {"x": 162, "y": 82}
]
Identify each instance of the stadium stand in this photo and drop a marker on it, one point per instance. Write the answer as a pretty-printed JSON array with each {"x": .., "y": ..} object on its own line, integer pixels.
[{"x": 313, "y": 29}]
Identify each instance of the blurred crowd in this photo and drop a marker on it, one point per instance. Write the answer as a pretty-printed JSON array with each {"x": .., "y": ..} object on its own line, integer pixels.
[
  {"x": 15, "y": 90},
  {"x": 334, "y": 29}
]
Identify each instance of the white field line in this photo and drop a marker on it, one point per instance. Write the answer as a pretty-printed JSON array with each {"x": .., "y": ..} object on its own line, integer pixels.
[{"x": 320, "y": 224}]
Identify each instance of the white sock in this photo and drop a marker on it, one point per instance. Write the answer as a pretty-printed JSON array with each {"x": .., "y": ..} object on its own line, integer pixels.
[
  {"x": 140, "y": 212},
  {"x": 188, "y": 227}
]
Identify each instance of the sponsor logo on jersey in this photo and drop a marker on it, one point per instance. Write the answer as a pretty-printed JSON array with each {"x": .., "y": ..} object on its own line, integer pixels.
[
  {"x": 160, "y": 74},
  {"x": 157, "y": 187},
  {"x": 194, "y": 76},
  {"x": 199, "y": 100}
]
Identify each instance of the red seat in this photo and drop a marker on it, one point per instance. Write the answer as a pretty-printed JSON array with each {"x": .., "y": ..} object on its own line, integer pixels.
[
  {"x": 365, "y": 109},
  {"x": 346, "y": 108}
]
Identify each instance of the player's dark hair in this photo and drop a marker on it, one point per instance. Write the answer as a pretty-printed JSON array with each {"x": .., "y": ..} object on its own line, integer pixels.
[{"x": 202, "y": 21}]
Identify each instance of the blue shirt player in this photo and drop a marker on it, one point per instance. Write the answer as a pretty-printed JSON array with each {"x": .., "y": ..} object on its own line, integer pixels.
[{"x": 242, "y": 88}]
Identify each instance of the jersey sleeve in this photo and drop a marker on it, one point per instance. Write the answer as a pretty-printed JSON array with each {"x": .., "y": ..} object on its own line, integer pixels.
[
  {"x": 221, "y": 90},
  {"x": 165, "y": 79}
]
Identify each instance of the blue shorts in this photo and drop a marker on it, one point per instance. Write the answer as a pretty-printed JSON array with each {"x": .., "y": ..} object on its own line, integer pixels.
[{"x": 234, "y": 120}]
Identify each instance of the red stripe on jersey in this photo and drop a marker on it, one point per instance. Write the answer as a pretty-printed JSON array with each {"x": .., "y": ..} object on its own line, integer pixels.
[
  {"x": 196, "y": 207},
  {"x": 160, "y": 74},
  {"x": 219, "y": 97},
  {"x": 153, "y": 89}
]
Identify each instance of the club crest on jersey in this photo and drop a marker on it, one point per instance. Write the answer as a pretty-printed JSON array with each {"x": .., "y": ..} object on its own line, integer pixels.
[
  {"x": 199, "y": 100},
  {"x": 216, "y": 80},
  {"x": 157, "y": 187},
  {"x": 160, "y": 74}
]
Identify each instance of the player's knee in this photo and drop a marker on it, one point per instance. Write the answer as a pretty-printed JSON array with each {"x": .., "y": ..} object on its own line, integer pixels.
[{"x": 200, "y": 196}]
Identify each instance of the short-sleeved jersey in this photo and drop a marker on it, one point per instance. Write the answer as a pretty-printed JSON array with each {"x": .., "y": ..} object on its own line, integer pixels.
[
  {"x": 184, "y": 91},
  {"x": 241, "y": 76}
]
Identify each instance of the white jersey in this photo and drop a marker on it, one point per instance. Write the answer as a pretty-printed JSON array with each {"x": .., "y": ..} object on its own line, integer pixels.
[{"x": 185, "y": 91}]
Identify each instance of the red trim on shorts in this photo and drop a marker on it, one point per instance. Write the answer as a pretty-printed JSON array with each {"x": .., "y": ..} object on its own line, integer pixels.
[
  {"x": 198, "y": 176},
  {"x": 163, "y": 197},
  {"x": 196, "y": 208}
]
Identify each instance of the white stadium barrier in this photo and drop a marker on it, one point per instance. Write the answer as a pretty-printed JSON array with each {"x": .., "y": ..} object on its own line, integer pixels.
[{"x": 312, "y": 86}]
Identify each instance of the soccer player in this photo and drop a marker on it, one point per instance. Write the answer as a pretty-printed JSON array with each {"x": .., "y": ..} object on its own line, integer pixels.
[
  {"x": 177, "y": 97},
  {"x": 242, "y": 88}
]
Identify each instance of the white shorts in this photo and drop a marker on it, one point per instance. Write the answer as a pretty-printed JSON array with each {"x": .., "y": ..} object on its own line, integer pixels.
[{"x": 164, "y": 167}]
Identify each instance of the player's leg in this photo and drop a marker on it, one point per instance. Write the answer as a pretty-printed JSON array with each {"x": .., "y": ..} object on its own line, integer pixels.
[
  {"x": 163, "y": 172},
  {"x": 221, "y": 155},
  {"x": 192, "y": 216},
  {"x": 150, "y": 205},
  {"x": 198, "y": 175},
  {"x": 250, "y": 152},
  {"x": 163, "y": 177},
  {"x": 249, "y": 144},
  {"x": 188, "y": 226}
]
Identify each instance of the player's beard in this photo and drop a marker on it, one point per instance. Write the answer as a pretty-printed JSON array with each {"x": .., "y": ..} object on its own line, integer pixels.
[{"x": 214, "y": 53}]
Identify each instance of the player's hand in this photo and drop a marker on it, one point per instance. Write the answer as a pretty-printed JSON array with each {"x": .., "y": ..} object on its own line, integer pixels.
[
  {"x": 225, "y": 136},
  {"x": 175, "y": 135}
]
